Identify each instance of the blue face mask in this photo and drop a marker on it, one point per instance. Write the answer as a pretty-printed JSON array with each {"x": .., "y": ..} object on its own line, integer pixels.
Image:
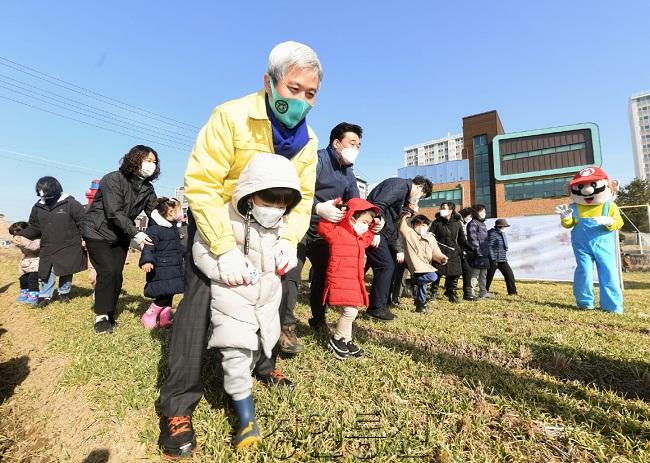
[{"x": 289, "y": 111}]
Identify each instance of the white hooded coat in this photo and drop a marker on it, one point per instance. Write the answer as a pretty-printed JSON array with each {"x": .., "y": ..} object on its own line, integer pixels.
[{"x": 240, "y": 314}]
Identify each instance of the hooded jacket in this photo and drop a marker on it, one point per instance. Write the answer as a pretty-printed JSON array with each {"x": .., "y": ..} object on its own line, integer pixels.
[
  {"x": 166, "y": 255},
  {"x": 238, "y": 313},
  {"x": 419, "y": 251},
  {"x": 57, "y": 225},
  {"x": 30, "y": 250},
  {"x": 345, "y": 283}
]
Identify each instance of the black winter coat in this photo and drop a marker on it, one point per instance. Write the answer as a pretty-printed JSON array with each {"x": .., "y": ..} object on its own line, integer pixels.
[
  {"x": 166, "y": 255},
  {"x": 117, "y": 203},
  {"x": 498, "y": 246},
  {"x": 477, "y": 237},
  {"x": 449, "y": 234},
  {"x": 58, "y": 228},
  {"x": 391, "y": 197}
]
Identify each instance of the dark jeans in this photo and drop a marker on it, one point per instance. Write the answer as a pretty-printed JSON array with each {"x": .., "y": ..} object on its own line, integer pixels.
[
  {"x": 506, "y": 271},
  {"x": 182, "y": 390},
  {"x": 29, "y": 281},
  {"x": 164, "y": 301},
  {"x": 108, "y": 260},
  {"x": 420, "y": 283},
  {"x": 382, "y": 262}
]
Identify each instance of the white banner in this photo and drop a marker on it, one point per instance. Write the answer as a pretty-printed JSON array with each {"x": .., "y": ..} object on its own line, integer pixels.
[{"x": 539, "y": 248}]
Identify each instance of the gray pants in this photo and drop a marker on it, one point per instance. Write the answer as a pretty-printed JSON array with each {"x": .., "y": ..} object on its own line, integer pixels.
[
  {"x": 237, "y": 367},
  {"x": 479, "y": 277}
]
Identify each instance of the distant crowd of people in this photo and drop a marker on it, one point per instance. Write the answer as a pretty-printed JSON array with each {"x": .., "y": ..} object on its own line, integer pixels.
[{"x": 262, "y": 200}]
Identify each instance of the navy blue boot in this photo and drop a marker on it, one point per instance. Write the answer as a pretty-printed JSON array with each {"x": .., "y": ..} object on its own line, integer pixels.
[{"x": 248, "y": 432}]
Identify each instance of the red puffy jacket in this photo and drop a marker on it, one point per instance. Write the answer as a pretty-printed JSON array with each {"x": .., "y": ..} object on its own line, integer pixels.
[{"x": 345, "y": 283}]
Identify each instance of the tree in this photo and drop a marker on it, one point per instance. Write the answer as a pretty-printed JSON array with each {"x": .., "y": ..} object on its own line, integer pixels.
[{"x": 637, "y": 192}]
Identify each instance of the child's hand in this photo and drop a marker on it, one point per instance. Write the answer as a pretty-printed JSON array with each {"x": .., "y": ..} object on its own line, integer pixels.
[
  {"x": 148, "y": 267},
  {"x": 16, "y": 240}
]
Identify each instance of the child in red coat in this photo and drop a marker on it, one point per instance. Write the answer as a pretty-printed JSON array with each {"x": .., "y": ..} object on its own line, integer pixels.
[{"x": 345, "y": 284}]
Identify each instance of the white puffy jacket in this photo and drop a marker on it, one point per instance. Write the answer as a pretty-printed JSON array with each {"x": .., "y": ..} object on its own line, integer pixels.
[{"x": 242, "y": 313}]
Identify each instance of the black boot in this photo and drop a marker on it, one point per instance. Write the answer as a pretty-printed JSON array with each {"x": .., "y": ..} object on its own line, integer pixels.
[
  {"x": 452, "y": 290},
  {"x": 420, "y": 307}
]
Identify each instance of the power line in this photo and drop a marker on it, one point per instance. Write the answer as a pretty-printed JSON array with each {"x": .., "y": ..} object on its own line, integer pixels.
[
  {"x": 101, "y": 119},
  {"x": 130, "y": 135},
  {"x": 64, "y": 99},
  {"x": 89, "y": 93}
]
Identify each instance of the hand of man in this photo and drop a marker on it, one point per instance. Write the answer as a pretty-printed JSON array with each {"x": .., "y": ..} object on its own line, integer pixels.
[
  {"x": 400, "y": 257},
  {"x": 444, "y": 260},
  {"x": 233, "y": 268},
  {"x": 375, "y": 241},
  {"x": 148, "y": 267},
  {"x": 329, "y": 211},
  {"x": 604, "y": 220},
  {"x": 286, "y": 257},
  {"x": 564, "y": 211},
  {"x": 379, "y": 225}
]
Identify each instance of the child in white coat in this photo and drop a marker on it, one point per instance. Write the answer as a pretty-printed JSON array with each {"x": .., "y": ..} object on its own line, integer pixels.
[{"x": 245, "y": 318}]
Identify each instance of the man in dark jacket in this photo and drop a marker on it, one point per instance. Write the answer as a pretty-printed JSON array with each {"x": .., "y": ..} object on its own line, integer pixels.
[
  {"x": 477, "y": 237},
  {"x": 448, "y": 231},
  {"x": 391, "y": 196},
  {"x": 335, "y": 178},
  {"x": 55, "y": 220}
]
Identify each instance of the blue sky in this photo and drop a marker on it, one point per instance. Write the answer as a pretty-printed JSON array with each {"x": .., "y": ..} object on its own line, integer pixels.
[{"x": 406, "y": 71}]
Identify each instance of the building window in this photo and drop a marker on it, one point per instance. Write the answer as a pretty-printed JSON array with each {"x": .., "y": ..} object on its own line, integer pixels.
[
  {"x": 437, "y": 197},
  {"x": 482, "y": 173},
  {"x": 536, "y": 189},
  {"x": 557, "y": 149}
]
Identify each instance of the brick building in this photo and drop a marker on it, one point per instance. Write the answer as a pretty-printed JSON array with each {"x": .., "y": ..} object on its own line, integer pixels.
[{"x": 512, "y": 174}]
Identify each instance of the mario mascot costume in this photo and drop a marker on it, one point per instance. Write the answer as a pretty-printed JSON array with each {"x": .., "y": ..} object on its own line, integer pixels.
[{"x": 594, "y": 219}]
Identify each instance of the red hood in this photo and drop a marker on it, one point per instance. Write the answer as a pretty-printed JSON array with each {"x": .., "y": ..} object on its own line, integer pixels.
[{"x": 354, "y": 205}]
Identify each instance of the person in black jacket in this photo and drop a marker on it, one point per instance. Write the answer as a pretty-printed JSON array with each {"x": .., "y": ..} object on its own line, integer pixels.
[
  {"x": 108, "y": 227},
  {"x": 448, "y": 231},
  {"x": 55, "y": 220},
  {"x": 163, "y": 262},
  {"x": 391, "y": 196},
  {"x": 466, "y": 215}
]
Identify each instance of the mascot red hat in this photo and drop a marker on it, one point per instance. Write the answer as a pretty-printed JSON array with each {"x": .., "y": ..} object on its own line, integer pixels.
[{"x": 589, "y": 174}]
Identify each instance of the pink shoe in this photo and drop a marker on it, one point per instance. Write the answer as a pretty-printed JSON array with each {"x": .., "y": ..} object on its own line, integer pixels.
[
  {"x": 165, "y": 317},
  {"x": 150, "y": 317}
]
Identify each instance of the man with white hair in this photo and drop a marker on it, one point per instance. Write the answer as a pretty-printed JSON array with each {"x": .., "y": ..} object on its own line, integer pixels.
[{"x": 272, "y": 121}]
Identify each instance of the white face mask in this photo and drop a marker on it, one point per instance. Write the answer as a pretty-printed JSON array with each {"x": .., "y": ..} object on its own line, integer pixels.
[
  {"x": 268, "y": 216},
  {"x": 360, "y": 228},
  {"x": 349, "y": 155},
  {"x": 444, "y": 212},
  {"x": 147, "y": 169},
  {"x": 481, "y": 215},
  {"x": 424, "y": 232}
]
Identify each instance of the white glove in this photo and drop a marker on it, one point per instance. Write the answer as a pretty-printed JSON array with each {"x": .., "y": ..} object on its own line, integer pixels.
[
  {"x": 604, "y": 220},
  {"x": 234, "y": 268},
  {"x": 375, "y": 241},
  {"x": 564, "y": 210},
  {"x": 142, "y": 239},
  {"x": 378, "y": 226},
  {"x": 400, "y": 257},
  {"x": 285, "y": 256},
  {"x": 329, "y": 211}
]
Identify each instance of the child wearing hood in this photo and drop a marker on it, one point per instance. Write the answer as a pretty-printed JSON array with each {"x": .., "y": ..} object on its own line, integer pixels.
[
  {"x": 245, "y": 317},
  {"x": 345, "y": 284}
]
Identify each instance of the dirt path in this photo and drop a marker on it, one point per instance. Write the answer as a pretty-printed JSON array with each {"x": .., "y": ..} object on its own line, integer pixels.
[{"x": 41, "y": 422}]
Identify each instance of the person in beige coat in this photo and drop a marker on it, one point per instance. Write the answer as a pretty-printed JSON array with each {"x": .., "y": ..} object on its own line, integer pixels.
[
  {"x": 28, "y": 268},
  {"x": 420, "y": 251},
  {"x": 245, "y": 318}
]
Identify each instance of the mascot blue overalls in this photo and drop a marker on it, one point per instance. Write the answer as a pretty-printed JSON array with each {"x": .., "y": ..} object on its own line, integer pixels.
[{"x": 594, "y": 219}]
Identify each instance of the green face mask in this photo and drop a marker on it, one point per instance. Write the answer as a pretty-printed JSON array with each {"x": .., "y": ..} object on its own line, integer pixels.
[{"x": 289, "y": 111}]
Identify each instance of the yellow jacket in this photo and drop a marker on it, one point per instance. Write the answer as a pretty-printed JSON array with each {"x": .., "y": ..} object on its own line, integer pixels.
[
  {"x": 588, "y": 211},
  {"x": 236, "y": 131}
]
